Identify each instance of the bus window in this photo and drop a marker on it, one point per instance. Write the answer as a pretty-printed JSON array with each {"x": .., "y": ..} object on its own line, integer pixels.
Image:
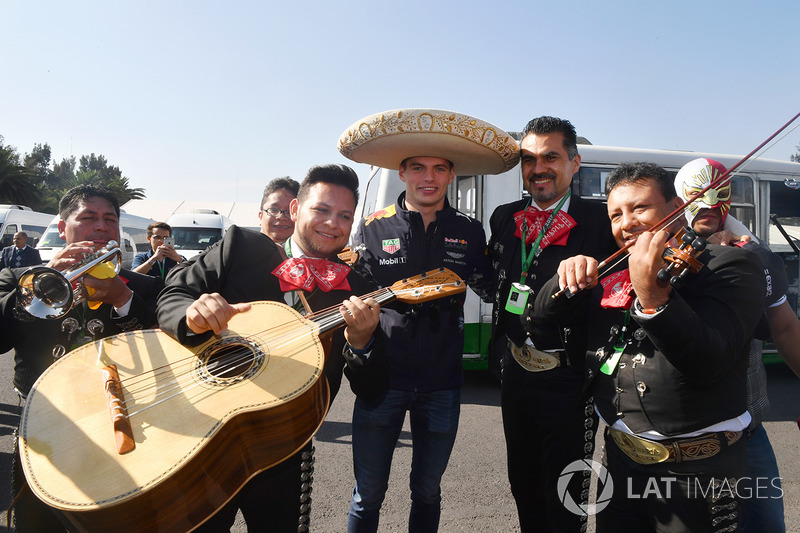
[
  {"x": 743, "y": 206},
  {"x": 466, "y": 196},
  {"x": 592, "y": 181}
]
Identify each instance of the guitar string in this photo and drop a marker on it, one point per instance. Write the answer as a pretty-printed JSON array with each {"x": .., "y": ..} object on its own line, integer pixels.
[{"x": 242, "y": 357}]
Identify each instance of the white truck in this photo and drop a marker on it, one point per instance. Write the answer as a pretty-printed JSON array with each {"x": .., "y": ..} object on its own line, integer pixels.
[{"x": 195, "y": 231}]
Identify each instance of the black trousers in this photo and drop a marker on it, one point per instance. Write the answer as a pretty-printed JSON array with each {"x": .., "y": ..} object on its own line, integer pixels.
[
  {"x": 690, "y": 497},
  {"x": 545, "y": 426},
  {"x": 277, "y": 500}
]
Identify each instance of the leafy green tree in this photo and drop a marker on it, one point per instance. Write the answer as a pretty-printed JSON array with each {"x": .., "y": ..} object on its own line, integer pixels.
[
  {"x": 16, "y": 182},
  {"x": 96, "y": 170}
]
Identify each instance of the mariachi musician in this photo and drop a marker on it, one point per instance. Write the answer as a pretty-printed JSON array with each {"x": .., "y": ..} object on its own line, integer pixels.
[
  {"x": 666, "y": 365},
  {"x": 203, "y": 293},
  {"x": 89, "y": 220}
]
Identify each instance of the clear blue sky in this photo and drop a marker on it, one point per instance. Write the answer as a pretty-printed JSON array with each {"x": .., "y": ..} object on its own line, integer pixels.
[{"x": 209, "y": 100}]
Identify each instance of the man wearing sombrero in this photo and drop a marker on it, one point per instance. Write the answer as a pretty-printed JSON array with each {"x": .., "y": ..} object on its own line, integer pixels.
[{"x": 420, "y": 232}]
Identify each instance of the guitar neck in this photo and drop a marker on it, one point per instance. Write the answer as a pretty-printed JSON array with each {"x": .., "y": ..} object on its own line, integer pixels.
[{"x": 331, "y": 319}]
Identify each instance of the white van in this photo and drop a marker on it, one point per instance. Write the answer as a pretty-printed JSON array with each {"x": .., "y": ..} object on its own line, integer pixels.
[
  {"x": 195, "y": 231},
  {"x": 15, "y": 218},
  {"x": 765, "y": 197},
  {"x": 132, "y": 232}
]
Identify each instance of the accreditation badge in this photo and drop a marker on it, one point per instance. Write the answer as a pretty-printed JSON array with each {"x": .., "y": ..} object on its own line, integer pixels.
[{"x": 517, "y": 298}]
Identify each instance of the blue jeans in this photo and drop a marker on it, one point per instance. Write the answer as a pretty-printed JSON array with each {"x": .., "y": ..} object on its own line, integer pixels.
[
  {"x": 761, "y": 495},
  {"x": 376, "y": 429}
]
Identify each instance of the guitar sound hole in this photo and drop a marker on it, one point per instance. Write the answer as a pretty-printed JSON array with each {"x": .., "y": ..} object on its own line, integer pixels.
[{"x": 230, "y": 361}]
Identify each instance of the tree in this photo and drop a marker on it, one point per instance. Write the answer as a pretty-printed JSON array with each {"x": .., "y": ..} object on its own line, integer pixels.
[
  {"x": 796, "y": 157},
  {"x": 95, "y": 170},
  {"x": 16, "y": 182}
]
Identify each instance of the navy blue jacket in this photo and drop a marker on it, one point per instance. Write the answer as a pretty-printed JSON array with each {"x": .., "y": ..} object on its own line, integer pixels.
[
  {"x": 425, "y": 341},
  {"x": 30, "y": 257}
]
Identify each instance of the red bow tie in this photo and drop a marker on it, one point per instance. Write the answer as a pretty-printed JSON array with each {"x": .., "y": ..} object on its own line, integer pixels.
[
  {"x": 617, "y": 290},
  {"x": 535, "y": 219},
  {"x": 306, "y": 273}
]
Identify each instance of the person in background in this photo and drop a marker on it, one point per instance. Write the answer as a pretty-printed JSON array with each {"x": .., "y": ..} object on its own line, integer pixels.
[
  {"x": 709, "y": 216},
  {"x": 161, "y": 258},
  {"x": 89, "y": 220},
  {"x": 274, "y": 216},
  {"x": 19, "y": 254}
]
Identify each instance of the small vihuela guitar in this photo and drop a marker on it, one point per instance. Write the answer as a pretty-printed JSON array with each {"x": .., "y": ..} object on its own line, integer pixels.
[{"x": 136, "y": 432}]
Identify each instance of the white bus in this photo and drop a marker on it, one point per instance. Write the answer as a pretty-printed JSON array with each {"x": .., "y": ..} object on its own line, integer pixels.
[
  {"x": 765, "y": 197},
  {"x": 195, "y": 231},
  {"x": 132, "y": 232},
  {"x": 16, "y": 218}
]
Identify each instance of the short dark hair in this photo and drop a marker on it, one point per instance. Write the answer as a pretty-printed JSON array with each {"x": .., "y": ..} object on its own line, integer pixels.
[
  {"x": 333, "y": 174},
  {"x": 627, "y": 173},
  {"x": 545, "y": 125},
  {"x": 71, "y": 200},
  {"x": 286, "y": 183},
  {"x": 160, "y": 225}
]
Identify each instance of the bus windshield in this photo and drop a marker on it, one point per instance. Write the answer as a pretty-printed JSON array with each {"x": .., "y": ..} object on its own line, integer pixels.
[{"x": 195, "y": 238}]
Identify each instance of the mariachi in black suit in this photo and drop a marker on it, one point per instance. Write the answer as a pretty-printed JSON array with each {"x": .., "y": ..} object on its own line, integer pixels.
[
  {"x": 29, "y": 256},
  {"x": 542, "y": 419},
  {"x": 682, "y": 371},
  {"x": 38, "y": 342},
  {"x": 239, "y": 268}
]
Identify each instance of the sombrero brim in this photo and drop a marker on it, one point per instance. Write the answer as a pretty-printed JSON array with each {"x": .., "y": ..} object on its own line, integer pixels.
[{"x": 472, "y": 145}]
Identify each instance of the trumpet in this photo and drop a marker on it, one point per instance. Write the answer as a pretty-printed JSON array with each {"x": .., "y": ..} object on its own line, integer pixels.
[{"x": 44, "y": 292}]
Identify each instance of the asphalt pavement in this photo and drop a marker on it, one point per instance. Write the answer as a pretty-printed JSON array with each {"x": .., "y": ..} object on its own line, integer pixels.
[{"x": 475, "y": 491}]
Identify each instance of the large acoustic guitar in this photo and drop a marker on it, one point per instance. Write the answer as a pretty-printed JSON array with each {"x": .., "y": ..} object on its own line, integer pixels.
[{"x": 136, "y": 432}]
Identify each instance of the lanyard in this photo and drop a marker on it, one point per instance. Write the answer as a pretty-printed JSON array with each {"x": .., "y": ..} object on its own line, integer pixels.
[
  {"x": 161, "y": 267},
  {"x": 527, "y": 259}
]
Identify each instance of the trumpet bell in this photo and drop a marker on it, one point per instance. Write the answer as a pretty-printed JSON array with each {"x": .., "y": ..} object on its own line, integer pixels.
[{"x": 44, "y": 293}]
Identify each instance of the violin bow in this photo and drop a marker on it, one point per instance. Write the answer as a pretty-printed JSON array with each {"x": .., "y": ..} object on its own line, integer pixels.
[{"x": 669, "y": 219}]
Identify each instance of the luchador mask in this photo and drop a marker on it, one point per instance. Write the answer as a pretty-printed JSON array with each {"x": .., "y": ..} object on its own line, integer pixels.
[{"x": 695, "y": 176}]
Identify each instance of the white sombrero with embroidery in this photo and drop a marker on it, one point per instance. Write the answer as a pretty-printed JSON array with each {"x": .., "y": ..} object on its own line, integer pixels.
[{"x": 472, "y": 145}]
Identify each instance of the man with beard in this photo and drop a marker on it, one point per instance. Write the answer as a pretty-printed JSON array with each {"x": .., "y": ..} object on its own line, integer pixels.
[{"x": 546, "y": 426}]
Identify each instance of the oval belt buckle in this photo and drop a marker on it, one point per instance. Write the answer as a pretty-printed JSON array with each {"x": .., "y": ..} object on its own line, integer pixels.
[
  {"x": 642, "y": 451},
  {"x": 533, "y": 360}
]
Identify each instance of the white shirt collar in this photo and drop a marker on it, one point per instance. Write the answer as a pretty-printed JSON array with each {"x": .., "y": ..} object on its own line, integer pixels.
[{"x": 564, "y": 207}]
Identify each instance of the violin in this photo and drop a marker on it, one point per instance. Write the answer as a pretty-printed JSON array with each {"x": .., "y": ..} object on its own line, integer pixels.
[
  {"x": 607, "y": 264},
  {"x": 682, "y": 259}
]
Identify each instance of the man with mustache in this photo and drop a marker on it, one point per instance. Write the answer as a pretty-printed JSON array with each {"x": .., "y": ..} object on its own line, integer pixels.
[
  {"x": 89, "y": 220},
  {"x": 545, "y": 425},
  {"x": 666, "y": 365}
]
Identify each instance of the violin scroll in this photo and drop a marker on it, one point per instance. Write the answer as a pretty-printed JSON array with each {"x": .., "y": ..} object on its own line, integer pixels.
[{"x": 683, "y": 259}]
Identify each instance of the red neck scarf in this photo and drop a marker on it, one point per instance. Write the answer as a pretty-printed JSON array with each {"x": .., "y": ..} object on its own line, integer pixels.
[{"x": 535, "y": 219}]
